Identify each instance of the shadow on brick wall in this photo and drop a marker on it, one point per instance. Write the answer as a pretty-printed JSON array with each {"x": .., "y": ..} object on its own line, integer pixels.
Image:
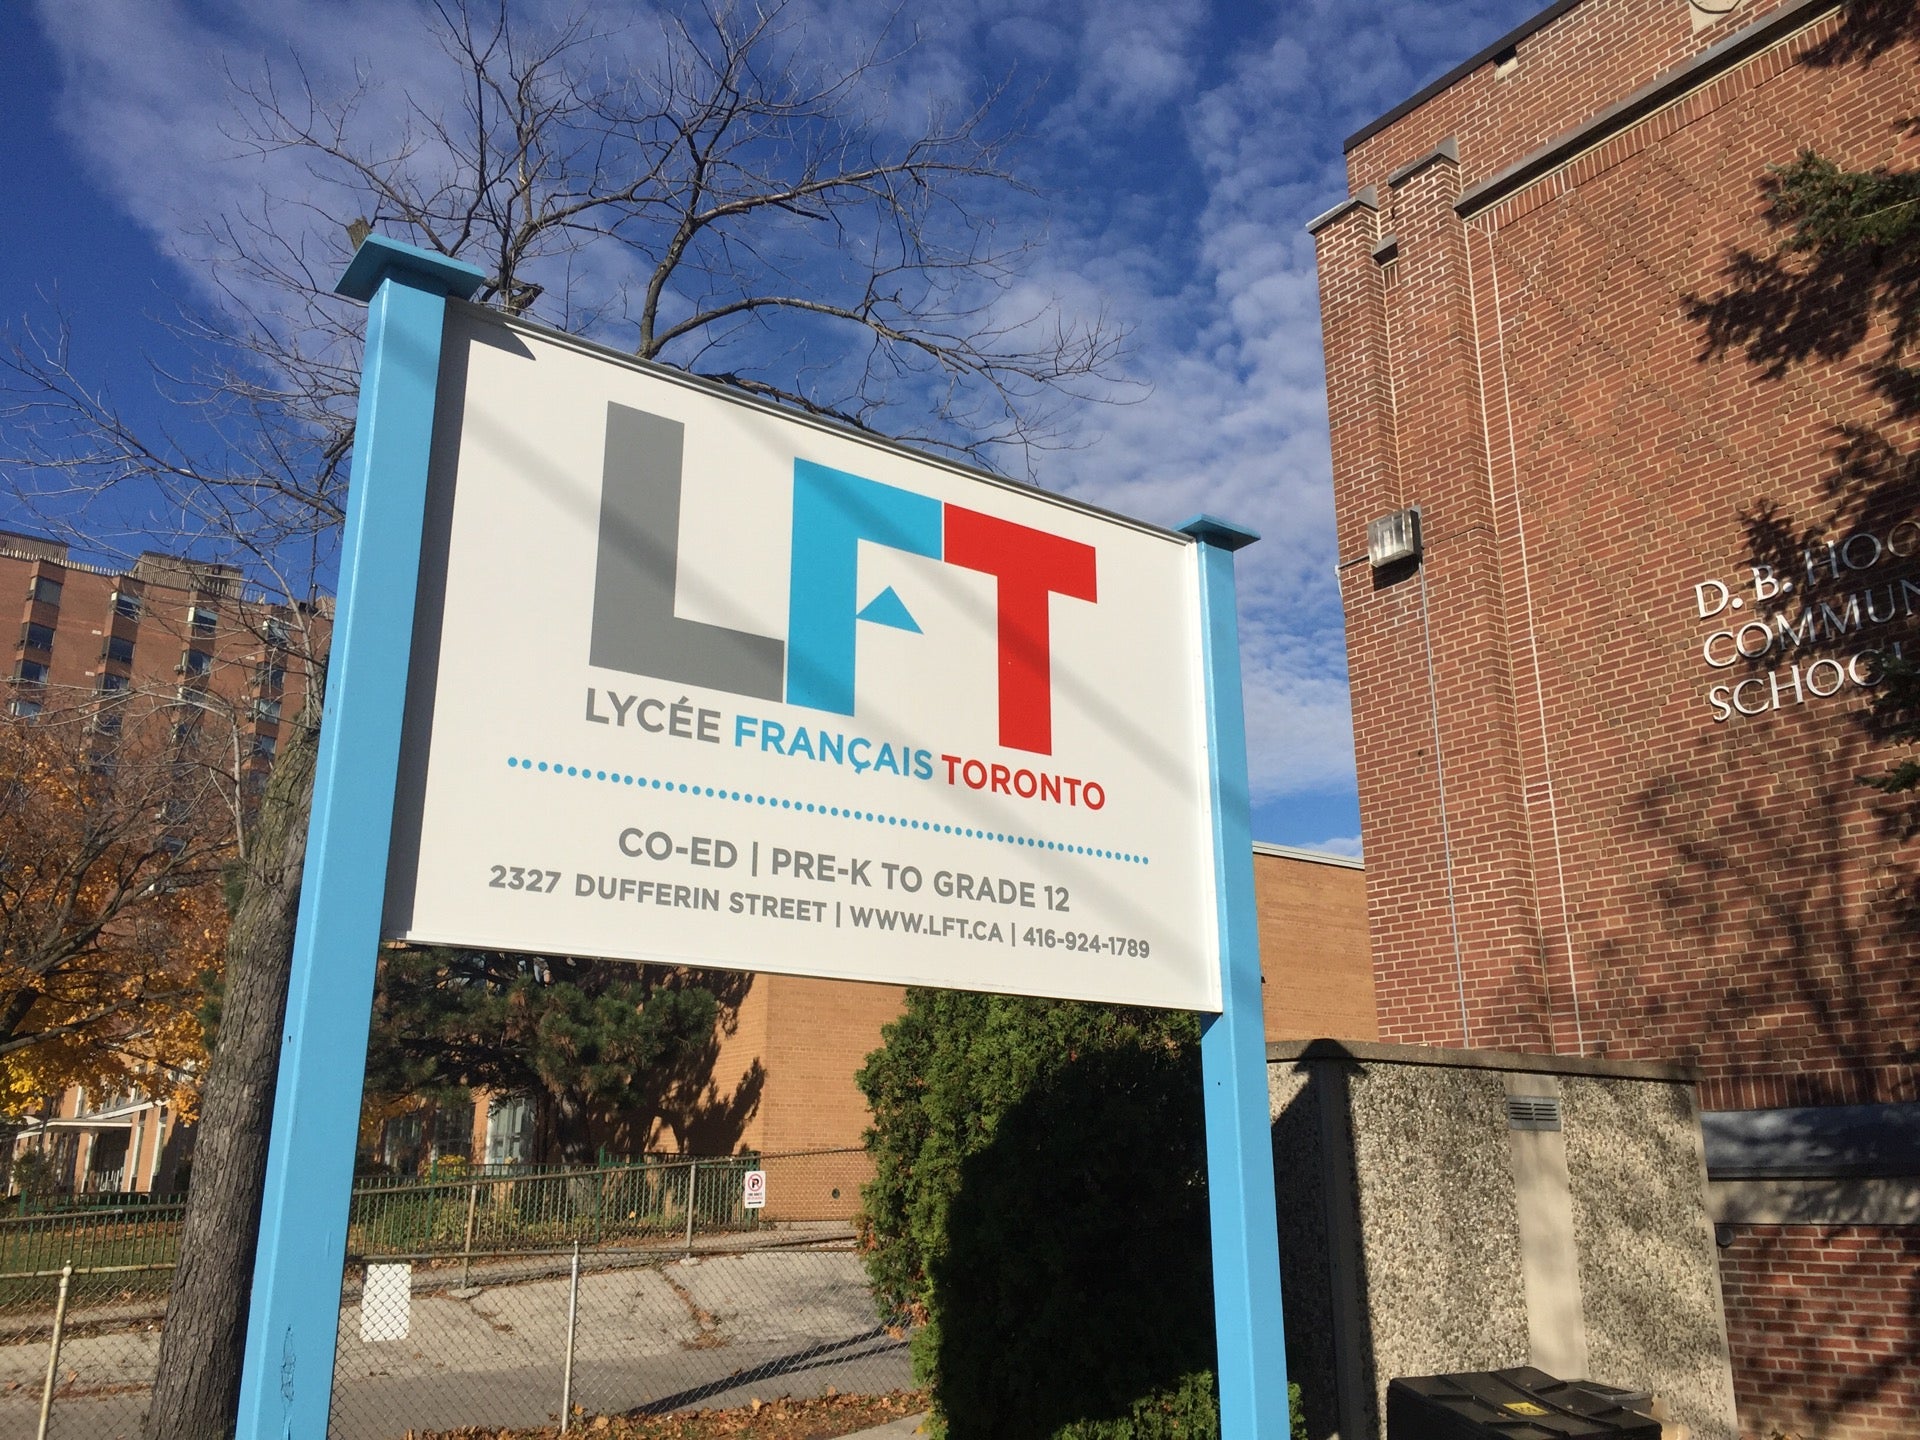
[
  {"x": 1830, "y": 897},
  {"x": 1825, "y": 891}
]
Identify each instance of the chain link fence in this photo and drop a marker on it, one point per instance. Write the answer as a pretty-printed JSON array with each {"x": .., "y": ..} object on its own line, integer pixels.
[
  {"x": 78, "y": 1348},
  {"x": 493, "y": 1300},
  {"x": 533, "y": 1337},
  {"x": 523, "y": 1299}
]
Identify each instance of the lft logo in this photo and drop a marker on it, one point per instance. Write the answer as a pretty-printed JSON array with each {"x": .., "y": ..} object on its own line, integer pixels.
[{"x": 635, "y": 629}]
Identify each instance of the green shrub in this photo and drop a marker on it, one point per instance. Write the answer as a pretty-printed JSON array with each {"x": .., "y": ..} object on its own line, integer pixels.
[{"x": 1040, "y": 1204}]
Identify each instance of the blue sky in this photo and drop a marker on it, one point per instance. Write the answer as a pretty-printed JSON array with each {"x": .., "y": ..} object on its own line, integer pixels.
[{"x": 1175, "y": 149}]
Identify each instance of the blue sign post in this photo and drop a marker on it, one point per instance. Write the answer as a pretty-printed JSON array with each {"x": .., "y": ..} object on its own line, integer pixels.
[
  {"x": 287, "y": 1380},
  {"x": 1248, "y": 1332}
]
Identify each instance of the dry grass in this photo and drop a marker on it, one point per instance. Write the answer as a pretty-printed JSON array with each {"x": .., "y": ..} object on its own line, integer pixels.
[{"x": 822, "y": 1419}]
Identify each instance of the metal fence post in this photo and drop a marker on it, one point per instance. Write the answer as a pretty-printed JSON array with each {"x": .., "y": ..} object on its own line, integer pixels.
[
  {"x": 53, "y": 1351},
  {"x": 466, "y": 1245},
  {"x": 693, "y": 1169},
  {"x": 573, "y": 1320}
]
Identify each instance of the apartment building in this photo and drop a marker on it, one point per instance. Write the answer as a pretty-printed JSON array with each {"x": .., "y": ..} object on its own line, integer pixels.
[
  {"x": 175, "y": 642},
  {"x": 182, "y": 631}
]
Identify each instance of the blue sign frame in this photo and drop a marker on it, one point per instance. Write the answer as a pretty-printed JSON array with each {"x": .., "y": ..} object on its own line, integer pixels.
[{"x": 287, "y": 1377}]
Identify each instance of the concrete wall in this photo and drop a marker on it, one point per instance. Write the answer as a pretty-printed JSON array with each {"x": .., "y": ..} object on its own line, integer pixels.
[{"x": 1422, "y": 1235}]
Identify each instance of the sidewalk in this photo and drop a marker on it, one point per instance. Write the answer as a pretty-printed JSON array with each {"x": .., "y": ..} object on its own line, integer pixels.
[{"x": 901, "y": 1429}]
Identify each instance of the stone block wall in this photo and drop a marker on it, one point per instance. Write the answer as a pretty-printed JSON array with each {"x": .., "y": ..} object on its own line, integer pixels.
[{"x": 1422, "y": 1234}]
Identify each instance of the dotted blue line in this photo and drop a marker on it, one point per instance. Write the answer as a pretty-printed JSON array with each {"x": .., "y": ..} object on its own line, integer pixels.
[{"x": 708, "y": 792}]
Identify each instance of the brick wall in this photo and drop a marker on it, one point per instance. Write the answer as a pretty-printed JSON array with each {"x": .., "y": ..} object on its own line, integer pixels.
[
  {"x": 1315, "y": 961},
  {"x": 819, "y": 1034},
  {"x": 728, "y": 1115},
  {"x": 1822, "y": 1321},
  {"x": 1566, "y": 849},
  {"x": 1604, "y": 388},
  {"x": 1579, "y": 64}
]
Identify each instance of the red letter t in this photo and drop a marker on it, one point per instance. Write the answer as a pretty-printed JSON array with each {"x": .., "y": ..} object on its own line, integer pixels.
[{"x": 1031, "y": 566}]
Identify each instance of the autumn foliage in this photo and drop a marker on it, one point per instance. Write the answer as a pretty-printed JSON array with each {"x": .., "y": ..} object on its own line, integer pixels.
[{"x": 112, "y": 842}]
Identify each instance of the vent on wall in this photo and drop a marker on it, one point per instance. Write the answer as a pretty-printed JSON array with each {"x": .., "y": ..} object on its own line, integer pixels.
[
  {"x": 1396, "y": 537},
  {"x": 1533, "y": 1112}
]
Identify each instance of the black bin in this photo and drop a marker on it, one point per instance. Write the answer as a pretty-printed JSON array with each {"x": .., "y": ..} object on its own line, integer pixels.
[{"x": 1520, "y": 1404}]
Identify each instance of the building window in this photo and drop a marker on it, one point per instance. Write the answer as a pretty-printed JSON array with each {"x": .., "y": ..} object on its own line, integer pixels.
[
  {"x": 30, "y": 672},
  {"x": 195, "y": 662},
  {"x": 264, "y": 746},
  {"x": 452, "y": 1130},
  {"x": 107, "y": 722},
  {"x": 201, "y": 619},
  {"x": 125, "y": 605},
  {"x": 509, "y": 1132},
  {"x": 270, "y": 677},
  {"x": 266, "y": 712},
  {"x": 46, "y": 590},
  {"x": 111, "y": 684},
  {"x": 274, "y": 632},
  {"x": 23, "y": 709},
  {"x": 37, "y": 637},
  {"x": 118, "y": 647}
]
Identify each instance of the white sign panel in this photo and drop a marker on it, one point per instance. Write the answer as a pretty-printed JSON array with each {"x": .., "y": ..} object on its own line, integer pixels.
[
  {"x": 754, "y": 1190},
  {"x": 699, "y": 682}
]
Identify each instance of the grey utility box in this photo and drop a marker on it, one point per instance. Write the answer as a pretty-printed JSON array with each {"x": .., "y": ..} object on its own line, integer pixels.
[{"x": 1448, "y": 1211}]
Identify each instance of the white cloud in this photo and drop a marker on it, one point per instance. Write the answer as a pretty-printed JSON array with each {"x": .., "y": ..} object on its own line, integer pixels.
[
  {"x": 1182, "y": 156},
  {"x": 1137, "y": 54}
]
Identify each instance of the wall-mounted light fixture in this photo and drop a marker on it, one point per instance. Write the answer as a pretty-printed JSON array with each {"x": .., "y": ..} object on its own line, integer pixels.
[{"x": 1394, "y": 538}]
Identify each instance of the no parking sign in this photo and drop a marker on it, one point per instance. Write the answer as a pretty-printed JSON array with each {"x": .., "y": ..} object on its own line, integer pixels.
[{"x": 754, "y": 1190}]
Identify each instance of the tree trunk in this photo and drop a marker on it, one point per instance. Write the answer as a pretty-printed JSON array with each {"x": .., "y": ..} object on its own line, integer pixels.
[
  {"x": 564, "y": 1117},
  {"x": 196, "y": 1393}
]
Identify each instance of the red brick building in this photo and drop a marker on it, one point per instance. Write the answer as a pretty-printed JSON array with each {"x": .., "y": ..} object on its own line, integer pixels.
[
  {"x": 1608, "y": 681},
  {"x": 162, "y": 642},
  {"x": 180, "y": 632}
]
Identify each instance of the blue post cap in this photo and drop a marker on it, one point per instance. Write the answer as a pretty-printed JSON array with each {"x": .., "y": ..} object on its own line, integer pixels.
[
  {"x": 378, "y": 257},
  {"x": 1212, "y": 530}
]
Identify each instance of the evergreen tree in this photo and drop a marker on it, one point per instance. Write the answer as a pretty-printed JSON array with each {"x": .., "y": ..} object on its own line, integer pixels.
[{"x": 585, "y": 1040}]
